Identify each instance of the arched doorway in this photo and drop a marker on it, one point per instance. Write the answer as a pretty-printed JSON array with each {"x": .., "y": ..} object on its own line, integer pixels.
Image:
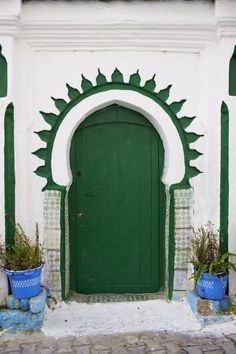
[
  {"x": 117, "y": 204},
  {"x": 178, "y": 169}
]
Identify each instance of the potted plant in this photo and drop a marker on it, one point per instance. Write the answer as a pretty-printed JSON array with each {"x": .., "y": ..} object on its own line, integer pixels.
[
  {"x": 23, "y": 263},
  {"x": 210, "y": 263}
]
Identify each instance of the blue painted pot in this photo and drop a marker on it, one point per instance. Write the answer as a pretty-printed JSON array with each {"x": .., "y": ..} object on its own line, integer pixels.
[
  {"x": 212, "y": 287},
  {"x": 26, "y": 283}
]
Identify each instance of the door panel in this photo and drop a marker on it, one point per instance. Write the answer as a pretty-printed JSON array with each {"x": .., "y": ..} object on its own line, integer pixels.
[{"x": 117, "y": 244}]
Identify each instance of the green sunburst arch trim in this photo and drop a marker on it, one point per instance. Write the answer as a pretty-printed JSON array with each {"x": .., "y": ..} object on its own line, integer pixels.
[{"x": 117, "y": 82}]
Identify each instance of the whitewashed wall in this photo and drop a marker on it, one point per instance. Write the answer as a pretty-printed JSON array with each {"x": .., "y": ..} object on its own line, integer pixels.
[{"x": 186, "y": 44}]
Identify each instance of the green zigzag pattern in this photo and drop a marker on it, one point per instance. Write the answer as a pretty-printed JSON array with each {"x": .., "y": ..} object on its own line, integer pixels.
[{"x": 117, "y": 82}]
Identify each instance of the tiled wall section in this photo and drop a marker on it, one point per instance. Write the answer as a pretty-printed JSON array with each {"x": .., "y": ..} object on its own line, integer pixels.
[
  {"x": 52, "y": 242},
  {"x": 183, "y": 233}
]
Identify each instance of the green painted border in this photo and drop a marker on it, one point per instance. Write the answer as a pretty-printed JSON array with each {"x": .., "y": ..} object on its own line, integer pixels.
[
  {"x": 63, "y": 253},
  {"x": 117, "y": 83},
  {"x": 9, "y": 174},
  {"x": 232, "y": 74},
  {"x": 171, "y": 258},
  {"x": 3, "y": 74},
  {"x": 224, "y": 176}
]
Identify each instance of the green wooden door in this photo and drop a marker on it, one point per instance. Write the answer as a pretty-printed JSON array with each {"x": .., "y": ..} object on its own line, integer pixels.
[{"x": 117, "y": 204}]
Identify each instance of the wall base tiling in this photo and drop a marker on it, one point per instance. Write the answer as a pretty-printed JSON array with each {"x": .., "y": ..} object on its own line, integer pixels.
[
  {"x": 52, "y": 242},
  {"x": 183, "y": 234}
]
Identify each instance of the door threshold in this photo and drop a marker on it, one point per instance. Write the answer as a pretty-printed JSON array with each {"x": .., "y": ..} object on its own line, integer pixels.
[{"x": 105, "y": 298}]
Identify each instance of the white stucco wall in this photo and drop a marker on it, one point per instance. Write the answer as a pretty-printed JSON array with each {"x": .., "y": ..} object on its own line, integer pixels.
[{"x": 186, "y": 44}]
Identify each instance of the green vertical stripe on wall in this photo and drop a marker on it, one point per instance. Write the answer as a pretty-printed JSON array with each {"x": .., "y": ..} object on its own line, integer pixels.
[
  {"x": 3, "y": 75},
  {"x": 232, "y": 74},
  {"x": 171, "y": 243},
  {"x": 62, "y": 218},
  {"x": 9, "y": 174},
  {"x": 224, "y": 176}
]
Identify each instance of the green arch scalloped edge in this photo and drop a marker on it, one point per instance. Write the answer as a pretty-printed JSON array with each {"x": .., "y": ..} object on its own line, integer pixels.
[{"x": 117, "y": 82}]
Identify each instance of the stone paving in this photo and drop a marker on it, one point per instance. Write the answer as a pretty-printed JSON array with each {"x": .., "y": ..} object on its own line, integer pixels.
[{"x": 162, "y": 342}]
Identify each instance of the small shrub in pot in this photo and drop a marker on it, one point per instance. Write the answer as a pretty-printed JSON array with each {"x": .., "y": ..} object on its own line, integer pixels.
[
  {"x": 210, "y": 263},
  {"x": 23, "y": 263}
]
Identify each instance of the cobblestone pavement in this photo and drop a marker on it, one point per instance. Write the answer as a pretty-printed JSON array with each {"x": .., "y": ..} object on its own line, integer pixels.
[{"x": 156, "y": 342}]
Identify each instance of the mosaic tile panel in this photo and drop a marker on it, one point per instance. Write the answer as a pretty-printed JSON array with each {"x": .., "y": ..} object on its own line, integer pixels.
[
  {"x": 52, "y": 233},
  {"x": 55, "y": 294},
  {"x": 181, "y": 258},
  {"x": 183, "y": 198},
  {"x": 181, "y": 280},
  {"x": 55, "y": 281},
  {"x": 52, "y": 200},
  {"x": 53, "y": 260},
  {"x": 183, "y": 238},
  {"x": 183, "y": 219},
  {"x": 183, "y": 234},
  {"x": 52, "y": 238}
]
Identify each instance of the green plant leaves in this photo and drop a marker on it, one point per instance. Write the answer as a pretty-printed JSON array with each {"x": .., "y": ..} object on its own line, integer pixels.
[
  {"x": 207, "y": 253},
  {"x": 23, "y": 254}
]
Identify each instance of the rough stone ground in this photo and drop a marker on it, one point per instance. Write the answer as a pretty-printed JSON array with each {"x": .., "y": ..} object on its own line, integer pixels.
[{"x": 161, "y": 342}]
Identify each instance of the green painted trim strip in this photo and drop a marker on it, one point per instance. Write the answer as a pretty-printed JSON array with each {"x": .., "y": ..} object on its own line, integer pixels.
[
  {"x": 224, "y": 176},
  {"x": 171, "y": 257},
  {"x": 232, "y": 74},
  {"x": 3, "y": 74},
  {"x": 62, "y": 260},
  {"x": 9, "y": 174}
]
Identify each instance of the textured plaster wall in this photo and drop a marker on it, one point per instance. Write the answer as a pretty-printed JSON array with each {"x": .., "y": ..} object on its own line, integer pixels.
[{"x": 186, "y": 44}]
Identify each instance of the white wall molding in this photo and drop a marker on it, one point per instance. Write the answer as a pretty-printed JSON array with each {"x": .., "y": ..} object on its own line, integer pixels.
[
  {"x": 226, "y": 27},
  {"x": 143, "y": 36},
  {"x": 8, "y": 25}
]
